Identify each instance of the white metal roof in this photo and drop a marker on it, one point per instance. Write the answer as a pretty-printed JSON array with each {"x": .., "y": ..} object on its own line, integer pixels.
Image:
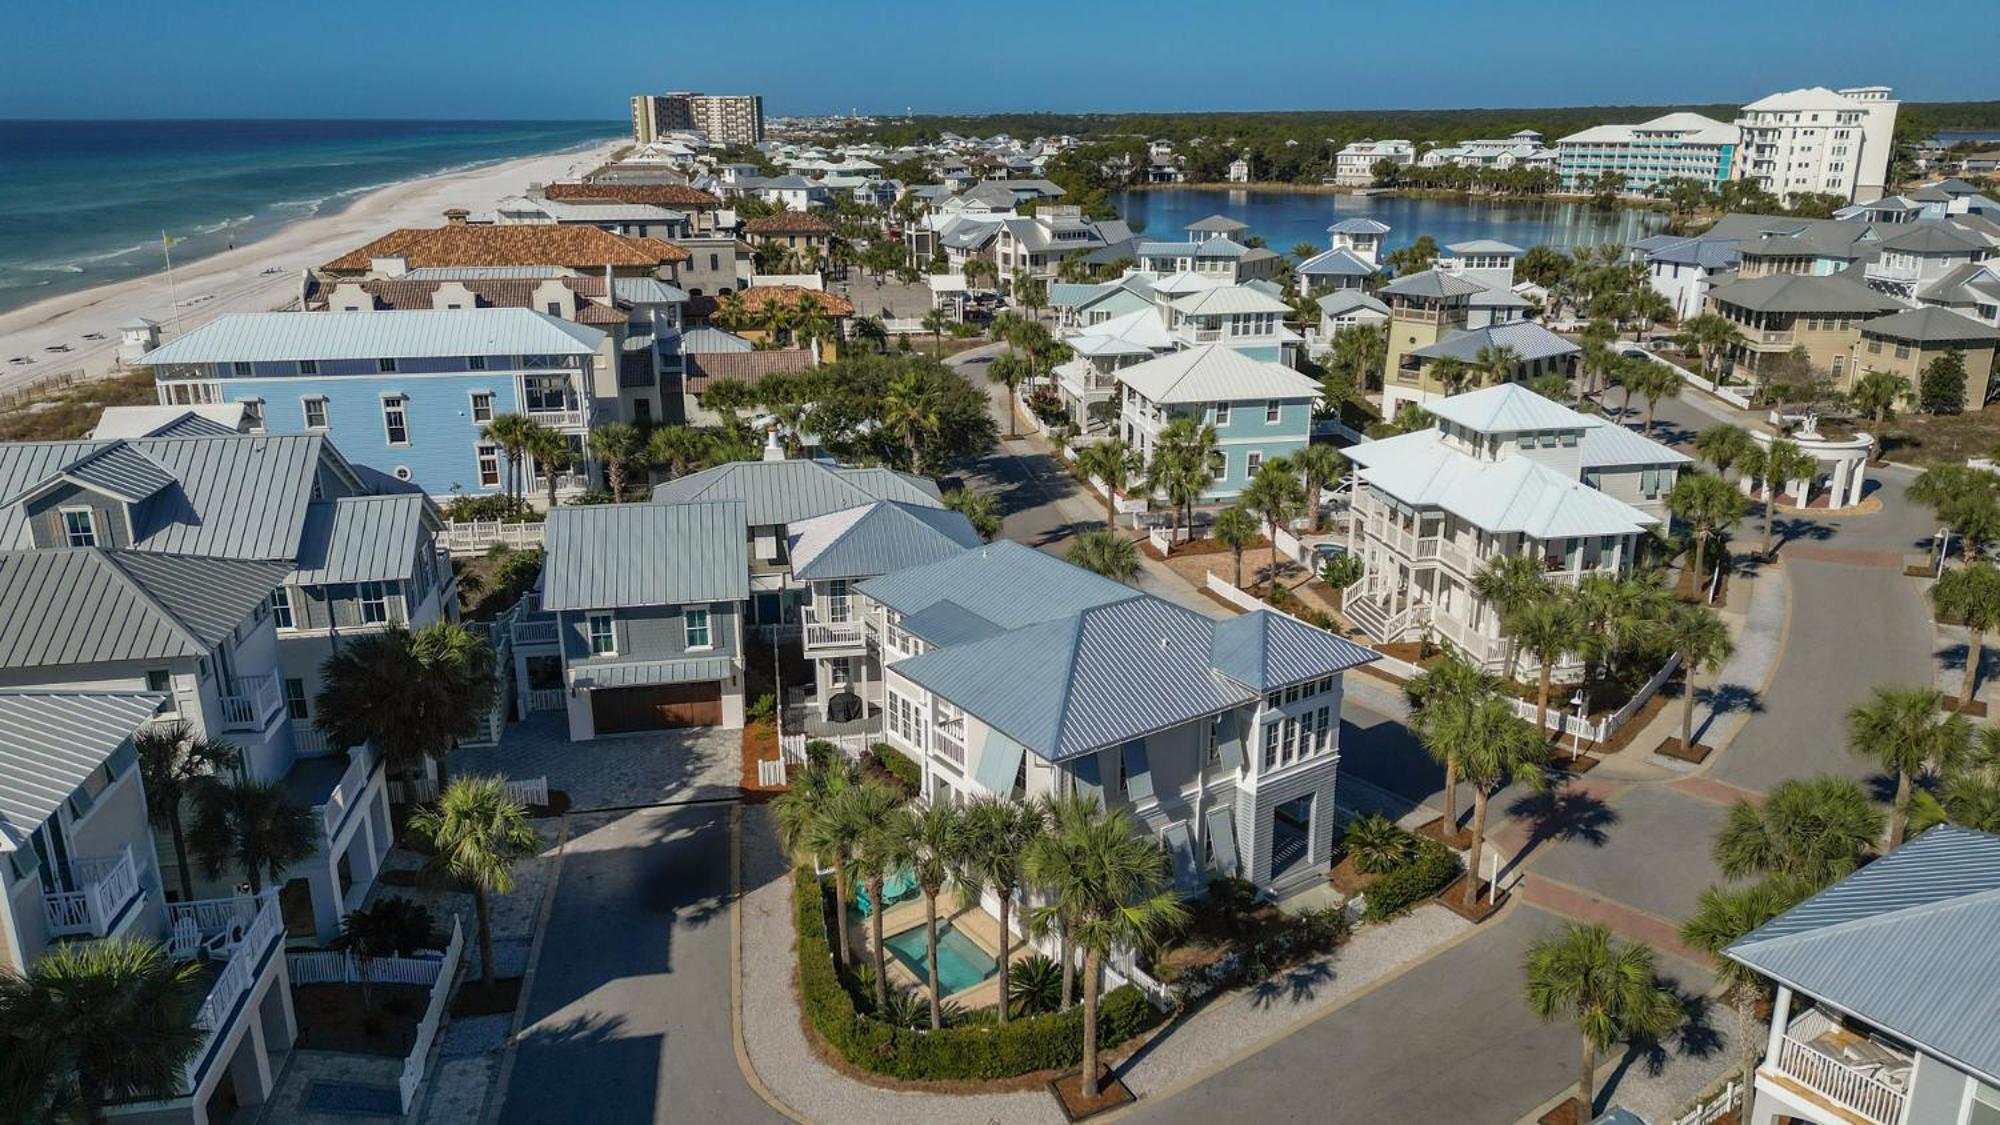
[
  {"x": 1508, "y": 408},
  {"x": 1229, "y": 299},
  {"x": 50, "y": 742},
  {"x": 1215, "y": 373},
  {"x": 1515, "y": 493},
  {"x": 401, "y": 334}
]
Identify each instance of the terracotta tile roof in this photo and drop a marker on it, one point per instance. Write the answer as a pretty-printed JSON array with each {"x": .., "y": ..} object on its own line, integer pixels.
[
  {"x": 462, "y": 244},
  {"x": 758, "y": 296},
  {"x": 499, "y": 293},
  {"x": 590, "y": 312},
  {"x": 659, "y": 195},
  {"x": 788, "y": 222}
]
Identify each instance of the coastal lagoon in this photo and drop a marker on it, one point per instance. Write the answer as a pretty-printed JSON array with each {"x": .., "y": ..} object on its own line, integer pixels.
[{"x": 1286, "y": 218}]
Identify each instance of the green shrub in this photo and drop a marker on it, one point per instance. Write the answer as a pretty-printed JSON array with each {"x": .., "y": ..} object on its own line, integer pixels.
[
  {"x": 977, "y": 1050},
  {"x": 1405, "y": 885},
  {"x": 1378, "y": 845},
  {"x": 764, "y": 707},
  {"x": 905, "y": 769}
]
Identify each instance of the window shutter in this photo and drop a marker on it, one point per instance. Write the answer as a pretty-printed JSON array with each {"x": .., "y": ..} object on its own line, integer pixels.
[
  {"x": 1229, "y": 741},
  {"x": 1138, "y": 771}
]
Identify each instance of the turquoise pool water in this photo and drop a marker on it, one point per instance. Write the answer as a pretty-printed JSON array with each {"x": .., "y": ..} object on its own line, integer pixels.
[{"x": 961, "y": 963}]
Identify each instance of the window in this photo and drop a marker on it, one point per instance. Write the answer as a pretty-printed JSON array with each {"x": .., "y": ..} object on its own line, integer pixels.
[
  {"x": 1271, "y": 744},
  {"x": 603, "y": 642},
  {"x": 482, "y": 406},
  {"x": 309, "y": 367},
  {"x": 396, "y": 420},
  {"x": 281, "y": 607},
  {"x": 1251, "y": 463},
  {"x": 241, "y": 370},
  {"x": 1322, "y": 731},
  {"x": 476, "y": 363},
  {"x": 1271, "y": 411},
  {"x": 79, "y": 527},
  {"x": 295, "y": 700},
  {"x": 374, "y": 603},
  {"x": 253, "y": 415},
  {"x": 1215, "y": 722},
  {"x": 315, "y": 411},
  {"x": 386, "y": 366},
  {"x": 1222, "y": 414},
  {"x": 489, "y": 465},
  {"x": 553, "y": 308},
  {"x": 695, "y": 624}
]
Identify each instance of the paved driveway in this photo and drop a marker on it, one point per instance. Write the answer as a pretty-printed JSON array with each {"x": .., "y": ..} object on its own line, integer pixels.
[{"x": 618, "y": 772}]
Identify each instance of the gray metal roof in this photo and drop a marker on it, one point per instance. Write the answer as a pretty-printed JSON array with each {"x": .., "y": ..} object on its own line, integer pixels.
[
  {"x": 1222, "y": 223},
  {"x": 641, "y": 673},
  {"x": 1802, "y": 293},
  {"x": 1006, "y": 583},
  {"x": 878, "y": 539},
  {"x": 1263, "y": 650},
  {"x": 1359, "y": 226},
  {"x": 119, "y": 471},
  {"x": 237, "y": 495},
  {"x": 1337, "y": 263},
  {"x": 1529, "y": 340},
  {"x": 397, "y": 334},
  {"x": 1905, "y": 943},
  {"x": 361, "y": 539},
  {"x": 86, "y": 605},
  {"x": 610, "y": 556},
  {"x": 1431, "y": 283},
  {"x": 782, "y": 492},
  {"x": 50, "y": 742},
  {"x": 1931, "y": 324}
]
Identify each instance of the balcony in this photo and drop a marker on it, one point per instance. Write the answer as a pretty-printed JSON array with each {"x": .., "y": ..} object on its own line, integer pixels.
[
  {"x": 948, "y": 742},
  {"x": 563, "y": 417},
  {"x": 533, "y": 629},
  {"x": 1850, "y": 1072},
  {"x": 239, "y": 933},
  {"x": 110, "y": 884},
  {"x": 255, "y": 701},
  {"x": 823, "y": 636},
  {"x": 347, "y": 791}
]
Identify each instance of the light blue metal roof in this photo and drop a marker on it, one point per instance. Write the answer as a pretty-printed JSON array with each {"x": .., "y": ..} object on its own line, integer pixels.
[
  {"x": 1337, "y": 263},
  {"x": 1264, "y": 650},
  {"x": 1359, "y": 226},
  {"x": 397, "y": 334},
  {"x": 1906, "y": 944},
  {"x": 641, "y": 673},
  {"x": 1006, "y": 583},
  {"x": 612, "y": 556},
  {"x": 361, "y": 539},
  {"x": 50, "y": 742},
  {"x": 782, "y": 492},
  {"x": 883, "y": 537}
]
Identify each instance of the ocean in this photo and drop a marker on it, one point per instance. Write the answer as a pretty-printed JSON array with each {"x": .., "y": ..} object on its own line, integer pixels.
[
  {"x": 83, "y": 203},
  {"x": 1285, "y": 219}
]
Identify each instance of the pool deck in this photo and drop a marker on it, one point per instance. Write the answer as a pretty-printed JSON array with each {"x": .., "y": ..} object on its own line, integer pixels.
[{"x": 976, "y": 924}]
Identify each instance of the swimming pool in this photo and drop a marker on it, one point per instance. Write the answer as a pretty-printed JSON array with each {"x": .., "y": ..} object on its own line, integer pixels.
[{"x": 961, "y": 962}]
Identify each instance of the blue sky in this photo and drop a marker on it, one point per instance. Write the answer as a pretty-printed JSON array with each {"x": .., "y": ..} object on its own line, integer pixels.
[{"x": 502, "y": 59}]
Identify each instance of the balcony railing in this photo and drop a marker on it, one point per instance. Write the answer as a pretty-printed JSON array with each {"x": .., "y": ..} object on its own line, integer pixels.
[
  {"x": 534, "y": 630},
  {"x": 347, "y": 792},
  {"x": 948, "y": 742},
  {"x": 109, "y": 882},
  {"x": 560, "y": 417},
  {"x": 245, "y": 951},
  {"x": 1856, "y": 1089},
  {"x": 256, "y": 700},
  {"x": 829, "y": 634}
]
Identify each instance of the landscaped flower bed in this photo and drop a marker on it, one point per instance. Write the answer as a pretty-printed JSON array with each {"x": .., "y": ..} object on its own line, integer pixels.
[
  {"x": 979, "y": 1049},
  {"x": 1234, "y": 939}
]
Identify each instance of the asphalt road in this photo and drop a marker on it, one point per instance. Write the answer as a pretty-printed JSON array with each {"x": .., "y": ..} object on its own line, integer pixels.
[{"x": 632, "y": 1023}]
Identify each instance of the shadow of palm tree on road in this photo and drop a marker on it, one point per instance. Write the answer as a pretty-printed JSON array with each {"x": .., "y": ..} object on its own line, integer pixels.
[
  {"x": 1559, "y": 815},
  {"x": 1724, "y": 699}
]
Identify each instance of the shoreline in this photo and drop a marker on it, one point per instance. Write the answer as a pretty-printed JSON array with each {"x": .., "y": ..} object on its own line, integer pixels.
[{"x": 259, "y": 275}]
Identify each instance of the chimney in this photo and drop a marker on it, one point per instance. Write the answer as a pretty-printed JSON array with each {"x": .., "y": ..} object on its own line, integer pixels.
[
  {"x": 455, "y": 216},
  {"x": 772, "y": 450}
]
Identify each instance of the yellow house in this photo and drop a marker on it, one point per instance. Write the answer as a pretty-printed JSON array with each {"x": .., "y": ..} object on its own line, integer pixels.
[{"x": 1905, "y": 343}]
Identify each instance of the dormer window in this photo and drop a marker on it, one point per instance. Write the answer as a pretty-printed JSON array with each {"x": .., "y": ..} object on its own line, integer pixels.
[{"x": 79, "y": 527}]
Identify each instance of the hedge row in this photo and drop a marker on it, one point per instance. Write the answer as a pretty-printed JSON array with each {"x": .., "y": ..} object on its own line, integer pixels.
[
  {"x": 976, "y": 1052},
  {"x": 1407, "y": 884}
]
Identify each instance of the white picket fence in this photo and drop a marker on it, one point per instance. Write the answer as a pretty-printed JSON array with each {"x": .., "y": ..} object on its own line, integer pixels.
[
  {"x": 531, "y": 791},
  {"x": 1712, "y": 1110},
  {"x": 1734, "y": 398},
  {"x": 427, "y": 1029},
  {"x": 771, "y": 774},
  {"x": 475, "y": 536},
  {"x": 792, "y": 747},
  {"x": 343, "y": 967}
]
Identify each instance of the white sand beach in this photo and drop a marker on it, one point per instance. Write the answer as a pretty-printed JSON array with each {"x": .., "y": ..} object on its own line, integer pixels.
[{"x": 256, "y": 277}]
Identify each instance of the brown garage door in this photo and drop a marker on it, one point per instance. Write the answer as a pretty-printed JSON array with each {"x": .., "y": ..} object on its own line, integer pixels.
[{"x": 656, "y": 707}]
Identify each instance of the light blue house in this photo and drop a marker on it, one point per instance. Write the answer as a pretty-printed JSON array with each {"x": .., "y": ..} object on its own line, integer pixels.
[
  {"x": 405, "y": 394},
  {"x": 1261, "y": 411}
]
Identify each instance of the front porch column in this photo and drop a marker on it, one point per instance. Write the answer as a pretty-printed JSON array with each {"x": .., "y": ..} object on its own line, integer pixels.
[
  {"x": 250, "y": 1065},
  {"x": 324, "y": 884},
  {"x": 1858, "y": 482},
  {"x": 1781, "y": 1016}
]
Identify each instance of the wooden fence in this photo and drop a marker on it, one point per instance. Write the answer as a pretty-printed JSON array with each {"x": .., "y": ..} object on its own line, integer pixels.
[{"x": 427, "y": 1029}]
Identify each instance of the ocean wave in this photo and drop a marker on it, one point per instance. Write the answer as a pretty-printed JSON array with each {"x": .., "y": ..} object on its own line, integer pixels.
[
  {"x": 75, "y": 265},
  {"x": 215, "y": 228}
]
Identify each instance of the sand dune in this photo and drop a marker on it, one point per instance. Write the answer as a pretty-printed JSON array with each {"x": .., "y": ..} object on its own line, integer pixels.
[{"x": 257, "y": 277}]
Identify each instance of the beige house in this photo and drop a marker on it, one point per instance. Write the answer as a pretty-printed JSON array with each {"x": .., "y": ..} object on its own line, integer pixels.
[
  {"x": 1905, "y": 343},
  {"x": 1782, "y": 311}
]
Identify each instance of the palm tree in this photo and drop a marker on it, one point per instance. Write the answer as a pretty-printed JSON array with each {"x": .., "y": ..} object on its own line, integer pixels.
[
  {"x": 1493, "y": 746},
  {"x": 1970, "y": 596},
  {"x": 872, "y": 331},
  {"x": 1182, "y": 468},
  {"x": 1611, "y": 991},
  {"x": 1709, "y": 335},
  {"x": 1903, "y": 731},
  {"x": 677, "y": 449},
  {"x": 935, "y": 322},
  {"x": 1703, "y": 641},
  {"x": 257, "y": 827},
  {"x": 1451, "y": 373},
  {"x": 1011, "y": 370},
  {"x": 1235, "y": 529},
  {"x": 1711, "y": 505},
  {"x": 1110, "y": 884},
  {"x": 980, "y": 510},
  {"x": 553, "y": 456},
  {"x": 1655, "y": 382},
  {"x": 1510, "y": 584},
  {"x": 1275, "y": 495},
  {"x": 1107, "y": 553},
  {"x": 1113, "y": 464},
  {"x": 1877, "y": 393},
  {"x": 1815, "y": 830},
  {"x": 1771, "y": 467},
  {"x": 390, "y": 927},
  {"x": 911, "y": 408},
  {"x": 479, "y": 835},
  {"x": 1724, "y": 916},
  {"x": 932, "y": 845},
  {"x": 619, "y": 447},
  {"x": 1440, "y": 699},
  {"x": 1964, "y": 499},
  {"x": 998, "y": 835},
  {"x": 1320, "y": 465},
  {"x": 456, "y": 669},
  {"x": 1548, "y": 627},
  {"x": 1724, "y": 445},
  {"x": 809, "y": 823},
  {"x": 510, "y": 432},
  {"x": 1495, "y": 363},
  {"x": 95, "y": 1019},
  {"x": 413, "y": 696},
  {"x": 731, "y": 312},
  {"x": 876, "y": 853},
  {"x": 174, "y": 764}
]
